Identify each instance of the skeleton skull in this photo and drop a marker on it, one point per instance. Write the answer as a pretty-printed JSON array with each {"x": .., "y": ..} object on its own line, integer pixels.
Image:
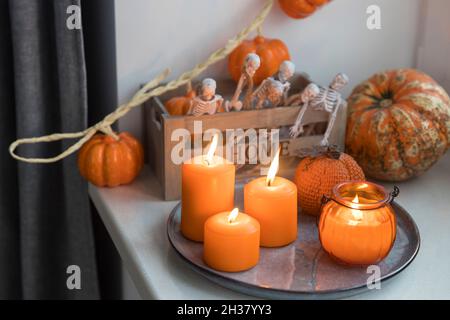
[
  {"x": 252, "y": 63},
  {"x": 275, "y": 91},
  {"x": 310, "y": 92},
  {"x": 208, "y": 89},
  {"x": 286, "y": 71},
  {"x": 339, "y": 81}
]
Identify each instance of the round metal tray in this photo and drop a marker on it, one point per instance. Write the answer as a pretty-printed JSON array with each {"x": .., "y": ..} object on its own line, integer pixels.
[{"x": 301, "y": 270}]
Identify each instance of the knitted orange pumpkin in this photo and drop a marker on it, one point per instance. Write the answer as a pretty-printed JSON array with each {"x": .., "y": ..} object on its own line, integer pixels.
[
  {"x": 299, "y": 9},
  {"x": 107, "y": 162},
  {"x": 317, "y": 175},
  {"x": 271, "y": 51},
  {"x": 398, "y": 124},
  {"x": 179, "y": 106}
]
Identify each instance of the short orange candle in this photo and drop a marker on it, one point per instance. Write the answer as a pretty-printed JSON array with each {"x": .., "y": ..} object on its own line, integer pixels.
[
  {"x": 231, "y": 241},
  {"x": 357, "y": 225},
  {"x": 207, "y": 188},
  {"x": 273, "y": 202}
]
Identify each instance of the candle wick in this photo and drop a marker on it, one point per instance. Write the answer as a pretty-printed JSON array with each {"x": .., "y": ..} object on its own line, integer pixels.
[{"x": 208, "y": 163}]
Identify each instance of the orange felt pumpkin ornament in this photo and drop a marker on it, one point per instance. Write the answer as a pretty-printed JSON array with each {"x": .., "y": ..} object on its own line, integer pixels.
[
  {"x": 272, "y": 53},
  {"x": 179, "y": 106},
  {"x": 398, "y": 124},
  {"x": 299, "y": 9},
  {"x": 317, "y": 175},
  {"x": 107, "y": 162}
]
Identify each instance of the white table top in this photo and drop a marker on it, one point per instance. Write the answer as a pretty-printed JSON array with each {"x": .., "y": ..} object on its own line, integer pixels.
[{"x": 135, "y": 216}]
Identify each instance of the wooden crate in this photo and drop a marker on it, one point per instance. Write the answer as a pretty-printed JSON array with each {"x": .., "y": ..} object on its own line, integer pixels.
[{"x": 159, "y": 126}]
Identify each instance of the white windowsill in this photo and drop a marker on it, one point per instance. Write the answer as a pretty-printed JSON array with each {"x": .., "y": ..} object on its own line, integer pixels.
[{"x": 135, "y": 216}]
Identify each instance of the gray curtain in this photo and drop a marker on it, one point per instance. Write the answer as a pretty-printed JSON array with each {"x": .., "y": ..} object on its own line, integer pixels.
[{"x": 45, "y": 220}]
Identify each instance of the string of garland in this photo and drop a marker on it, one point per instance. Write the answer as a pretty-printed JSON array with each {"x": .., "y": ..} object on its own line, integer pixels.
[{"x": 151, "y": 89}]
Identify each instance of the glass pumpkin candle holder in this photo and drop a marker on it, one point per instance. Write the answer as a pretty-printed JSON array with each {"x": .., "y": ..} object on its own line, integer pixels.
[{"x": 357, "y": 224}]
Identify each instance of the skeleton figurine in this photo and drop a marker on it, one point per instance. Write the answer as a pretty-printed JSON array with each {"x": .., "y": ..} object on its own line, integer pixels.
[
  {"x": 303, "y": 98},
  {"x": 323, "y": 99},
  {"x": 208, "y": 102},
  {"x": 274, "y": 90},
  {"x": 251, "y": 65}
]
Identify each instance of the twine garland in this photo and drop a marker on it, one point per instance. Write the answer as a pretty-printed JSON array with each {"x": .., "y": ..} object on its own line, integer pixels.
[{"x": 151, "y": 89}]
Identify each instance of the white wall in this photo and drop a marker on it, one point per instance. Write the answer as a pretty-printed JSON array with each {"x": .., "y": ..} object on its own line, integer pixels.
[
  {"x": 434, "y": 44},
  {"x": 153, "y": 35}
]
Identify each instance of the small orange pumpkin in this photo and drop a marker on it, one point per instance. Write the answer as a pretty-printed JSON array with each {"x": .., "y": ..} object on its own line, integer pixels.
[
  {"x": 299, "y": 9},
  {"x": 317, "y": 175},
  {"x": 398, "y": 124},
  {"x": 272, "y": 53},
  {"x": 107, "y": 162},
  {"x": 179, "y": 106}
]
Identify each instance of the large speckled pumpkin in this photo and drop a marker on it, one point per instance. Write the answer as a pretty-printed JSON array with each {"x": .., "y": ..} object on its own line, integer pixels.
[
  {"x": 398, "y": 124},
  {"x": 316, "y": 176}
]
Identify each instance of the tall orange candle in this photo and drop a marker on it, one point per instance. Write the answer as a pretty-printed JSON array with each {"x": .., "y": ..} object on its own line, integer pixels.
[
  {"x": 231, "y": 241},
  {"x": 273, "y": 202},
  {"x": 207, "y": 188}
]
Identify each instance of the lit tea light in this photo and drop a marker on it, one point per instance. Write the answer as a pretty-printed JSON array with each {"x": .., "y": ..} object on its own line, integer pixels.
[
  {"x": 207, "y": 188},
  {"x": 358, "y": 229},
  {"x": 231, "y": 241},
  {"x": 272, "y": 201}
]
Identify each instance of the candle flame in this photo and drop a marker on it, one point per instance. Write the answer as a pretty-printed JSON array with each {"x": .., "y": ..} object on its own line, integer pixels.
[
  {"x": 212, "y": 149},
  {"x": 357, "y": 214},
  {"x": 273, "y": 168},
  {"x": 233, "y": 215}
]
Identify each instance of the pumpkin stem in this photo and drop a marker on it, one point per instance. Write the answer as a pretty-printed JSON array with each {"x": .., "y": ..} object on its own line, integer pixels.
[
  {"x": 333, "y": 152},
  {"x": 386, "y": 103},
  {"x": 107, "y": 130},
  {"x": 259, "y": 30},
  {"x": 189, "y": 86}
]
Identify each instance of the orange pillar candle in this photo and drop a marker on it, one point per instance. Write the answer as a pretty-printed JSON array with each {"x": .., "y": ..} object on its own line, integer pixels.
[
  {"x": 273, "y": 202},
  {"x": 207, "y": 188},
  {"x": 357, "y": 225},
  {"x": 231, "y": 241}
]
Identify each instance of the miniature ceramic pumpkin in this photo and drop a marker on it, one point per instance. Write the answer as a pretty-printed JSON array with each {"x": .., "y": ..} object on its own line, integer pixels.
[
  {"x": 272, "y": 53},
  {"x": 398, "y": 124},
  {"x": 107, "y": 162},
  {"x": 179, "y": 106},
  {"x": 316, "y": 176},
  {"x": 299, "y": 9}
]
